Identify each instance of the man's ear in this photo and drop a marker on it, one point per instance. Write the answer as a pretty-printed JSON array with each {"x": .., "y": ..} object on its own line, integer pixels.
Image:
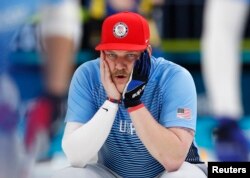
[
  {"x": 149, "y": 49},
  {"x": 102, "y": 54}
]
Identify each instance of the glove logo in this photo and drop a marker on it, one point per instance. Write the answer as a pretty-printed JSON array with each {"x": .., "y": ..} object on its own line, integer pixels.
[
  {"x": 138, "y": 92},
  {"x": 120, "y": 30}
]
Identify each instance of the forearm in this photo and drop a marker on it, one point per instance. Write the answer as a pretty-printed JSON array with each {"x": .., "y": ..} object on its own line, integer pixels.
[
  {"x": 59, "y": 61},
  {"x": 163, "y": 144},
  {"x": 82, "y": 144}
]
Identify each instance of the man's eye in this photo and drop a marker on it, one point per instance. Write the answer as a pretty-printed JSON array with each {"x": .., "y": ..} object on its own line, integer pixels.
[
  {"x": 111, "y": 56},
  {"x": 132, "y": 56}
]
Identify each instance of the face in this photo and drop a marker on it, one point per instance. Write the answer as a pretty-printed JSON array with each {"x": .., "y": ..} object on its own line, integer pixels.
[{"x": 121, "y": 64}]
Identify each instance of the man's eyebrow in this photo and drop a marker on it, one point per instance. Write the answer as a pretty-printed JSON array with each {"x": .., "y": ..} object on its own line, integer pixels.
[
  {"x": 125, "y": 53},
  {"x": 109, "y": 51},
  {"x": 132, "y": 52}
]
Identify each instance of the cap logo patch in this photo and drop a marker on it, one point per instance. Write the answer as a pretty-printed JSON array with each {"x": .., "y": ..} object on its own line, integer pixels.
[{"x": 120, "y": 30}]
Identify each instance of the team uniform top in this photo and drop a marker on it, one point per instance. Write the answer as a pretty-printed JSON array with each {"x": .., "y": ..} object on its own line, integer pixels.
[{"x": 169, "y": 95}]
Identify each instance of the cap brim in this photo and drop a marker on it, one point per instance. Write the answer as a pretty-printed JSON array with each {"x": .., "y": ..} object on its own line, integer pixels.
[{"x": 120, "y": 46}]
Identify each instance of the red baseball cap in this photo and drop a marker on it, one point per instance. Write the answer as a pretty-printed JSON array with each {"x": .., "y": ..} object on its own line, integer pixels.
[{"x": 124, "y": 31}]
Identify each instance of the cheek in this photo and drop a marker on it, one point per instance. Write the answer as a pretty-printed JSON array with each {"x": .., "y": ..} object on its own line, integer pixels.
[
  {"x": 130, "y": 67},
  {"x": 111, "y": 65},
  {"x": 130, "y": 70}
]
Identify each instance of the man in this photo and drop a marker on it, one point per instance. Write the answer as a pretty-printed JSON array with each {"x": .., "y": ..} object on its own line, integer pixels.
[
  {"x": 60, "y": 29},
  {"x": 224, "y": 22},
  {"x": 138, "y": 113}
]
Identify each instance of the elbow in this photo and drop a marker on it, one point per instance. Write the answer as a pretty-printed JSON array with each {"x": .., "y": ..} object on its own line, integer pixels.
[
  {"x": 76, "y": 163},
  {"x": 172, "y": 167},
  {"x": 71, "y": 154},
  {"x": 171, "y": 164}
]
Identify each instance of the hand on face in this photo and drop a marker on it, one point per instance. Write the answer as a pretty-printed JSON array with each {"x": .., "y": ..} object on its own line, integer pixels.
[
  {"x": 137, "y": 82},
  {"x": 106, "y": 79}
]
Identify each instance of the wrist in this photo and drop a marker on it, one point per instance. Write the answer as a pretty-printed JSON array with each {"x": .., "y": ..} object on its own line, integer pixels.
[
  {"x": 129, "y": 104},
  {"x": 134, "y": 108},
  {"x": 110, "y": 105},
  {"x": 116, "y": 101}
]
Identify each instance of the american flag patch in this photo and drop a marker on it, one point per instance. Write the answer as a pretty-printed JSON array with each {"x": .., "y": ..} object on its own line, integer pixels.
[{"x": 184, "y": 113}]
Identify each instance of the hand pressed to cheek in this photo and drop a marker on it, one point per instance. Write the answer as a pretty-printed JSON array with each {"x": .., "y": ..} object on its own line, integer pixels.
[
  {"x": 107, "y": 81},
  {"x": 120, "y": 69}
]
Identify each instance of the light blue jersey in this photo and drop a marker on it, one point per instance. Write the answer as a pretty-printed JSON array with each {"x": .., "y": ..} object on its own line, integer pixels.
[{"x": 169, "y": 95}]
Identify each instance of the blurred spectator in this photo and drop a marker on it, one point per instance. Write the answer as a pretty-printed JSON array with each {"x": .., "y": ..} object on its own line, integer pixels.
[
  {"x": 223, "y": 30},
  {"x": 60, "y": 32}
]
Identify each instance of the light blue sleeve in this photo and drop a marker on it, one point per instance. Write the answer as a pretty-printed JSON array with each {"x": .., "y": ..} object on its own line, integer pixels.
[
  {"x": 246, "y": 1},
  {"x": 81, "y": 107},
  {"x": 179, "y": 93}
]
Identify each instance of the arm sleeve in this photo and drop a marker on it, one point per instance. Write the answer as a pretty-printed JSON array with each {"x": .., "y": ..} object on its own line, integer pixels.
[
  {"x": 81, "y": 144},
  {"x": 179, "y": 93}
]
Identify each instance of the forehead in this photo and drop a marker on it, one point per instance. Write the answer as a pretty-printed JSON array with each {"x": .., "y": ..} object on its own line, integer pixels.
[{"x": 122, "y": 52}]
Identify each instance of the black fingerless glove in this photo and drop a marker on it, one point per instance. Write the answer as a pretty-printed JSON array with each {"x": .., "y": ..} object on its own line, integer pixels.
[{"x": 137, "y": 82}]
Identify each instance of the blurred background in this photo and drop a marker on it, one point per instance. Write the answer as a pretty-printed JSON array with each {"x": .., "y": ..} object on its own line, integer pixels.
[{"x": 176, "y": 29}]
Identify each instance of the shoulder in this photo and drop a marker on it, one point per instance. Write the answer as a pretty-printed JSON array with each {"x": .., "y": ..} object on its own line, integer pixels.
[
  {"x": 88, "y": 68},
  {"x": 164, "y": 70},
  {"x": 87, "y": 74}
]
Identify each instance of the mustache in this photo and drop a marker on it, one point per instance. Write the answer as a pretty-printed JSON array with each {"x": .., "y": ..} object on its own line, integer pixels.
[{"x": 120, "y": 73}]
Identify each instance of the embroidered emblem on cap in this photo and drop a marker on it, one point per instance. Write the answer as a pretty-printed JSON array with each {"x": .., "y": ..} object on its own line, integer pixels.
[{"x": 120, "y": 30}]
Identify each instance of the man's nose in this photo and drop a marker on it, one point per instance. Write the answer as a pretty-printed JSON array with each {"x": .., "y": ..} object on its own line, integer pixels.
[{"x": 120, "y": 64}]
